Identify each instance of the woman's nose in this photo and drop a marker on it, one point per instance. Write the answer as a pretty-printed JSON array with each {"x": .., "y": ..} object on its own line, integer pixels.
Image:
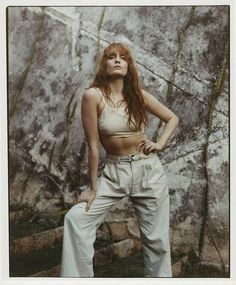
[{"x": 117, "y": 59}]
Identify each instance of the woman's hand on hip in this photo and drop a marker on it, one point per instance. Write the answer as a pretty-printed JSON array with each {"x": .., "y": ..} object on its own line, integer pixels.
[
  {"x": 148, "y": 146},
  {"x": 88, "y": 197}
]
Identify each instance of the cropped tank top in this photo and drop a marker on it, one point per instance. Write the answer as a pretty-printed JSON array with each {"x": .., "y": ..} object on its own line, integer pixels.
[{"x": 113, "y": 122}]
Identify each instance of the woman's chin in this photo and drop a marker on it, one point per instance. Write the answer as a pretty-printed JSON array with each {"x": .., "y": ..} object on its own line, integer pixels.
[{"x": 116, "y": 75}]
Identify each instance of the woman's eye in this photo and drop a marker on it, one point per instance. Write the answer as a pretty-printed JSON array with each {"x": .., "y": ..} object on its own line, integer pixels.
[{"x": 113, "y": 56}]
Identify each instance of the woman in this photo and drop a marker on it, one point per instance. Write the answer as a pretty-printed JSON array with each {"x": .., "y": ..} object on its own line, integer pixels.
[{"x": 114, "y": 113}]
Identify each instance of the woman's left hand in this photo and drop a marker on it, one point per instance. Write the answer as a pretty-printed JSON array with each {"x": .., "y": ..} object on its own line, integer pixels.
[{"x": 148, "y": 146}]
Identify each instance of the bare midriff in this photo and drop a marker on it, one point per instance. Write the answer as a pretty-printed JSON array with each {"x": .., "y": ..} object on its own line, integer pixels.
[{"x": 122, "y": 146}]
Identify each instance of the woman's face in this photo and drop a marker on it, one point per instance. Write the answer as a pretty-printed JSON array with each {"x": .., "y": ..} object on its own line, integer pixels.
[{"x": 116, "y": 65}]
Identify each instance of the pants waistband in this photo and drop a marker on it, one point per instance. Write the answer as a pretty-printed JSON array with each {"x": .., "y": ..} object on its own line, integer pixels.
[{"x": 126, "y": 158}]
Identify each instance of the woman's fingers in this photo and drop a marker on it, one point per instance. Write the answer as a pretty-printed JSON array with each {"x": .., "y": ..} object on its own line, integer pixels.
[
  {"x": 83, "y": 197},
  {"x": 146, "y": 146},
  {"x": 86, "y": 196},
  {"x": 140, "y": 145},
  {"x": 143, "y": 144},
  {"x": 150, "y": 148},
  {"x": 89, "y": 203}
]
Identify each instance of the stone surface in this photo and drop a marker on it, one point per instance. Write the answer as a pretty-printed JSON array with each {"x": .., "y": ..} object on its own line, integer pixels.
[
  {"x": 35, "y": 242},
  {"x": 126, "y": 247},
  {"x": 103, "y": 255},
  {"x": 17, "y": 216},
  {"x": 121, "y": 229},
  {"x": 179, "y": 53},
  {"x": 176, "y": 269}
]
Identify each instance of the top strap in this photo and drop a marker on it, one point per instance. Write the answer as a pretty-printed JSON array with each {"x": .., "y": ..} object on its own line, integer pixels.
[{"x": 103, "y": 99}]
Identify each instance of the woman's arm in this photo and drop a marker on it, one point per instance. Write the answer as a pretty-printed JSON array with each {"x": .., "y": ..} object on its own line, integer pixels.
[
  {"x": 156, "y": 108},
  {"x": 89, "y": 121}
]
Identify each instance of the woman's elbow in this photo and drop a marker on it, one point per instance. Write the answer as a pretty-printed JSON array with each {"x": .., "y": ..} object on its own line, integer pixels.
[
  {"x": 93, "y": 148},
  {"x": 93, "y": 153},
  {"x": 176, "y": 119}
]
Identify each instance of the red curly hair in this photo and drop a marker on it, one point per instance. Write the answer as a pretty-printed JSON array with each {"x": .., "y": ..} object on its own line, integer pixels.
[{"x": 132, "y": 91}]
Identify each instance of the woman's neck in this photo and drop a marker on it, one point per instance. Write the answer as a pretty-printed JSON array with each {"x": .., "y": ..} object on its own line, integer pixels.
[{"x": 116, "y": 86}]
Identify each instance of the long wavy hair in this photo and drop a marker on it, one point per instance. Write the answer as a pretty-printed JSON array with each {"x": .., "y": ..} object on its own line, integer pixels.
[{"x": 132, "y": 91}]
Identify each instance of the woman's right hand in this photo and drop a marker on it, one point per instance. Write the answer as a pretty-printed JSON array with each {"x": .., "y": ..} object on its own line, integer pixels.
[{"x": 88, "y": 197}]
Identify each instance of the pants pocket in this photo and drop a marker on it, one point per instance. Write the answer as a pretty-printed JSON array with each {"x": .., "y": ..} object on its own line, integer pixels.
[
  {"x": 153, "y": 173},
  {"x": 110, "y": 172}
]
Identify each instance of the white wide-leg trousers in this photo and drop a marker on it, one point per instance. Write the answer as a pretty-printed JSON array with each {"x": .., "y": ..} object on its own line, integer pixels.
[{"x": 143, "y": 179}]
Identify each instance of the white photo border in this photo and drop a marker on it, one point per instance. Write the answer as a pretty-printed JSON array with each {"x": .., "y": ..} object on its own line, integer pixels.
[{"x": 4, "y": 228}]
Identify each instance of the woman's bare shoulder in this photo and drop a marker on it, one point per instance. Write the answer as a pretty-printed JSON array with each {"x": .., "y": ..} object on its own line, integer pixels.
[
  {"x": 95, "y": 91},
  {"x": 92, "y": 93},
  {"x": 145, "y": 93}
]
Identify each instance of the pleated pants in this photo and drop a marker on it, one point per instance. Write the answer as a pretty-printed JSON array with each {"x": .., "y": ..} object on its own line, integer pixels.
[{"x": 142, "y": 178}]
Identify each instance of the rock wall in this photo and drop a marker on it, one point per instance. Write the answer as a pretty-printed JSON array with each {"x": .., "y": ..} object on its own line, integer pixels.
[{"x": 182, "y": 57}]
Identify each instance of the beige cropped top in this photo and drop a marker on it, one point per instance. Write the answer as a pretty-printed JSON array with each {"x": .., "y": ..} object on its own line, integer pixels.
[{"x": 113, "y": 122}]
